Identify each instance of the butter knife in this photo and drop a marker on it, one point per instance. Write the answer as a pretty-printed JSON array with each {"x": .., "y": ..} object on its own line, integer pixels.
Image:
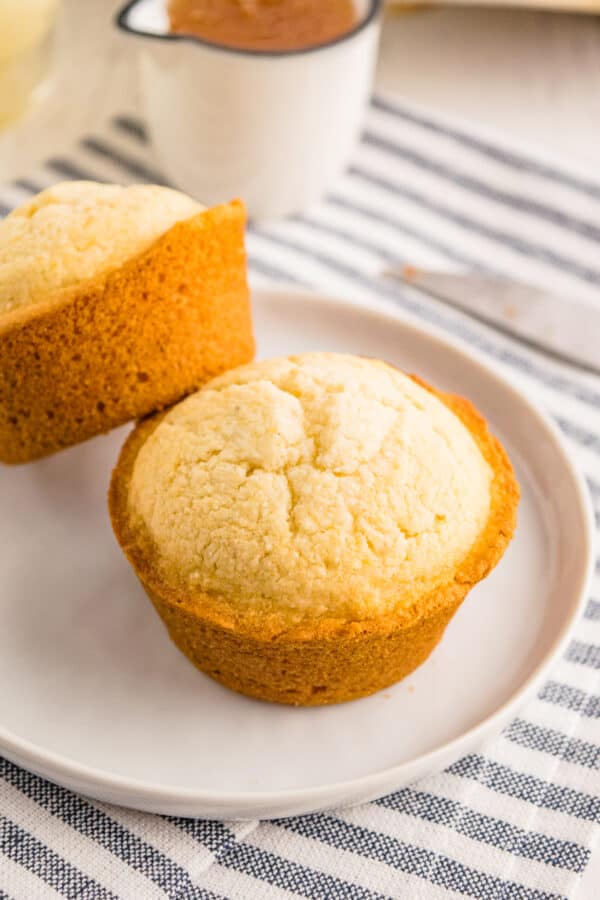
[{"x": 565, "y": 326}]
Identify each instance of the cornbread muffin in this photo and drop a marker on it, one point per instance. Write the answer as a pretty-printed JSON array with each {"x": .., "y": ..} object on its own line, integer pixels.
[
  {"x": 306, "y": 527},
  {"x": 114, "y": 302}
]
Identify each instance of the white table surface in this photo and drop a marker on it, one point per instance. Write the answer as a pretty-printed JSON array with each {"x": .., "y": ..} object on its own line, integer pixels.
[{"x": 533, "y": 75}]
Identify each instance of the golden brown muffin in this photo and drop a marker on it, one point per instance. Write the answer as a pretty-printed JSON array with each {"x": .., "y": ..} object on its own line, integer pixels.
[
  {"x": 114, "y": 302},
  {"x": 306, "y": 527}
]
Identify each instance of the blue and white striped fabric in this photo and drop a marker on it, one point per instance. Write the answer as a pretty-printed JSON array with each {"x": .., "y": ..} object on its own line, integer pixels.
[{"x": 518, "y": 818}]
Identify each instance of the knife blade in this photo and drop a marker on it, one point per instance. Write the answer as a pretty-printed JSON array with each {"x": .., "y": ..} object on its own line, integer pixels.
[{"x": 567, "y": 327}]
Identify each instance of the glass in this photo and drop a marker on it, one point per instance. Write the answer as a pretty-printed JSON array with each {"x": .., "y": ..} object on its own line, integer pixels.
[{"x": 25, "y": 52}]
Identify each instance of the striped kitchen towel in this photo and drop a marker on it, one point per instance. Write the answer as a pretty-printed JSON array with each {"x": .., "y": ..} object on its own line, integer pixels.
[{"x": 515, "y": 820}]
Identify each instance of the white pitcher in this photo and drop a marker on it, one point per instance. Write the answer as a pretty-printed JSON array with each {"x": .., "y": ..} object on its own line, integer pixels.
[{"x": 272, "y": 127}]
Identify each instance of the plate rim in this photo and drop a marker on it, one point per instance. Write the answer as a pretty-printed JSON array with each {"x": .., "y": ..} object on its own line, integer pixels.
[{"x": 161, "y": 797}]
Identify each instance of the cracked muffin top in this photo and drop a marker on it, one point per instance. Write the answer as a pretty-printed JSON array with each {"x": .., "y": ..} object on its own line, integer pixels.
[
  {"x": 316, "y": 485},
  {"x": 76, "y": 230}
]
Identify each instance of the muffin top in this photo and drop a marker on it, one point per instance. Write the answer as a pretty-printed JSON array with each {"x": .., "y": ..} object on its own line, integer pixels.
[
  {"x": 79, "y": 229},
  {"x": 321, "y": 485}
]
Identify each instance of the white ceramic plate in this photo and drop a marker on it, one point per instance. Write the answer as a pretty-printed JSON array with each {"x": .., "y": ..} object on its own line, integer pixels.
[{"x": 94, "y": 696}]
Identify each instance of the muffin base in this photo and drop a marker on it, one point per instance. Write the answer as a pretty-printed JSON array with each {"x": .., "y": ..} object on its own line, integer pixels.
[
  {"x": 129, "y": 342},
  {"x": 345, "y": 665},
  {"x": 326, "y": 660}
]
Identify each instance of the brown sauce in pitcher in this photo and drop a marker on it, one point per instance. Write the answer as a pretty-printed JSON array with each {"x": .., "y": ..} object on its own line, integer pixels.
[{"x": 263, "y": 24}]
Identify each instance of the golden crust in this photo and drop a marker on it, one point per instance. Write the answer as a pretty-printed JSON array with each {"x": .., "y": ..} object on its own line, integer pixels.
[
  {"x": 325, "y": 660},
  {"x": 129, "y": 342}
]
